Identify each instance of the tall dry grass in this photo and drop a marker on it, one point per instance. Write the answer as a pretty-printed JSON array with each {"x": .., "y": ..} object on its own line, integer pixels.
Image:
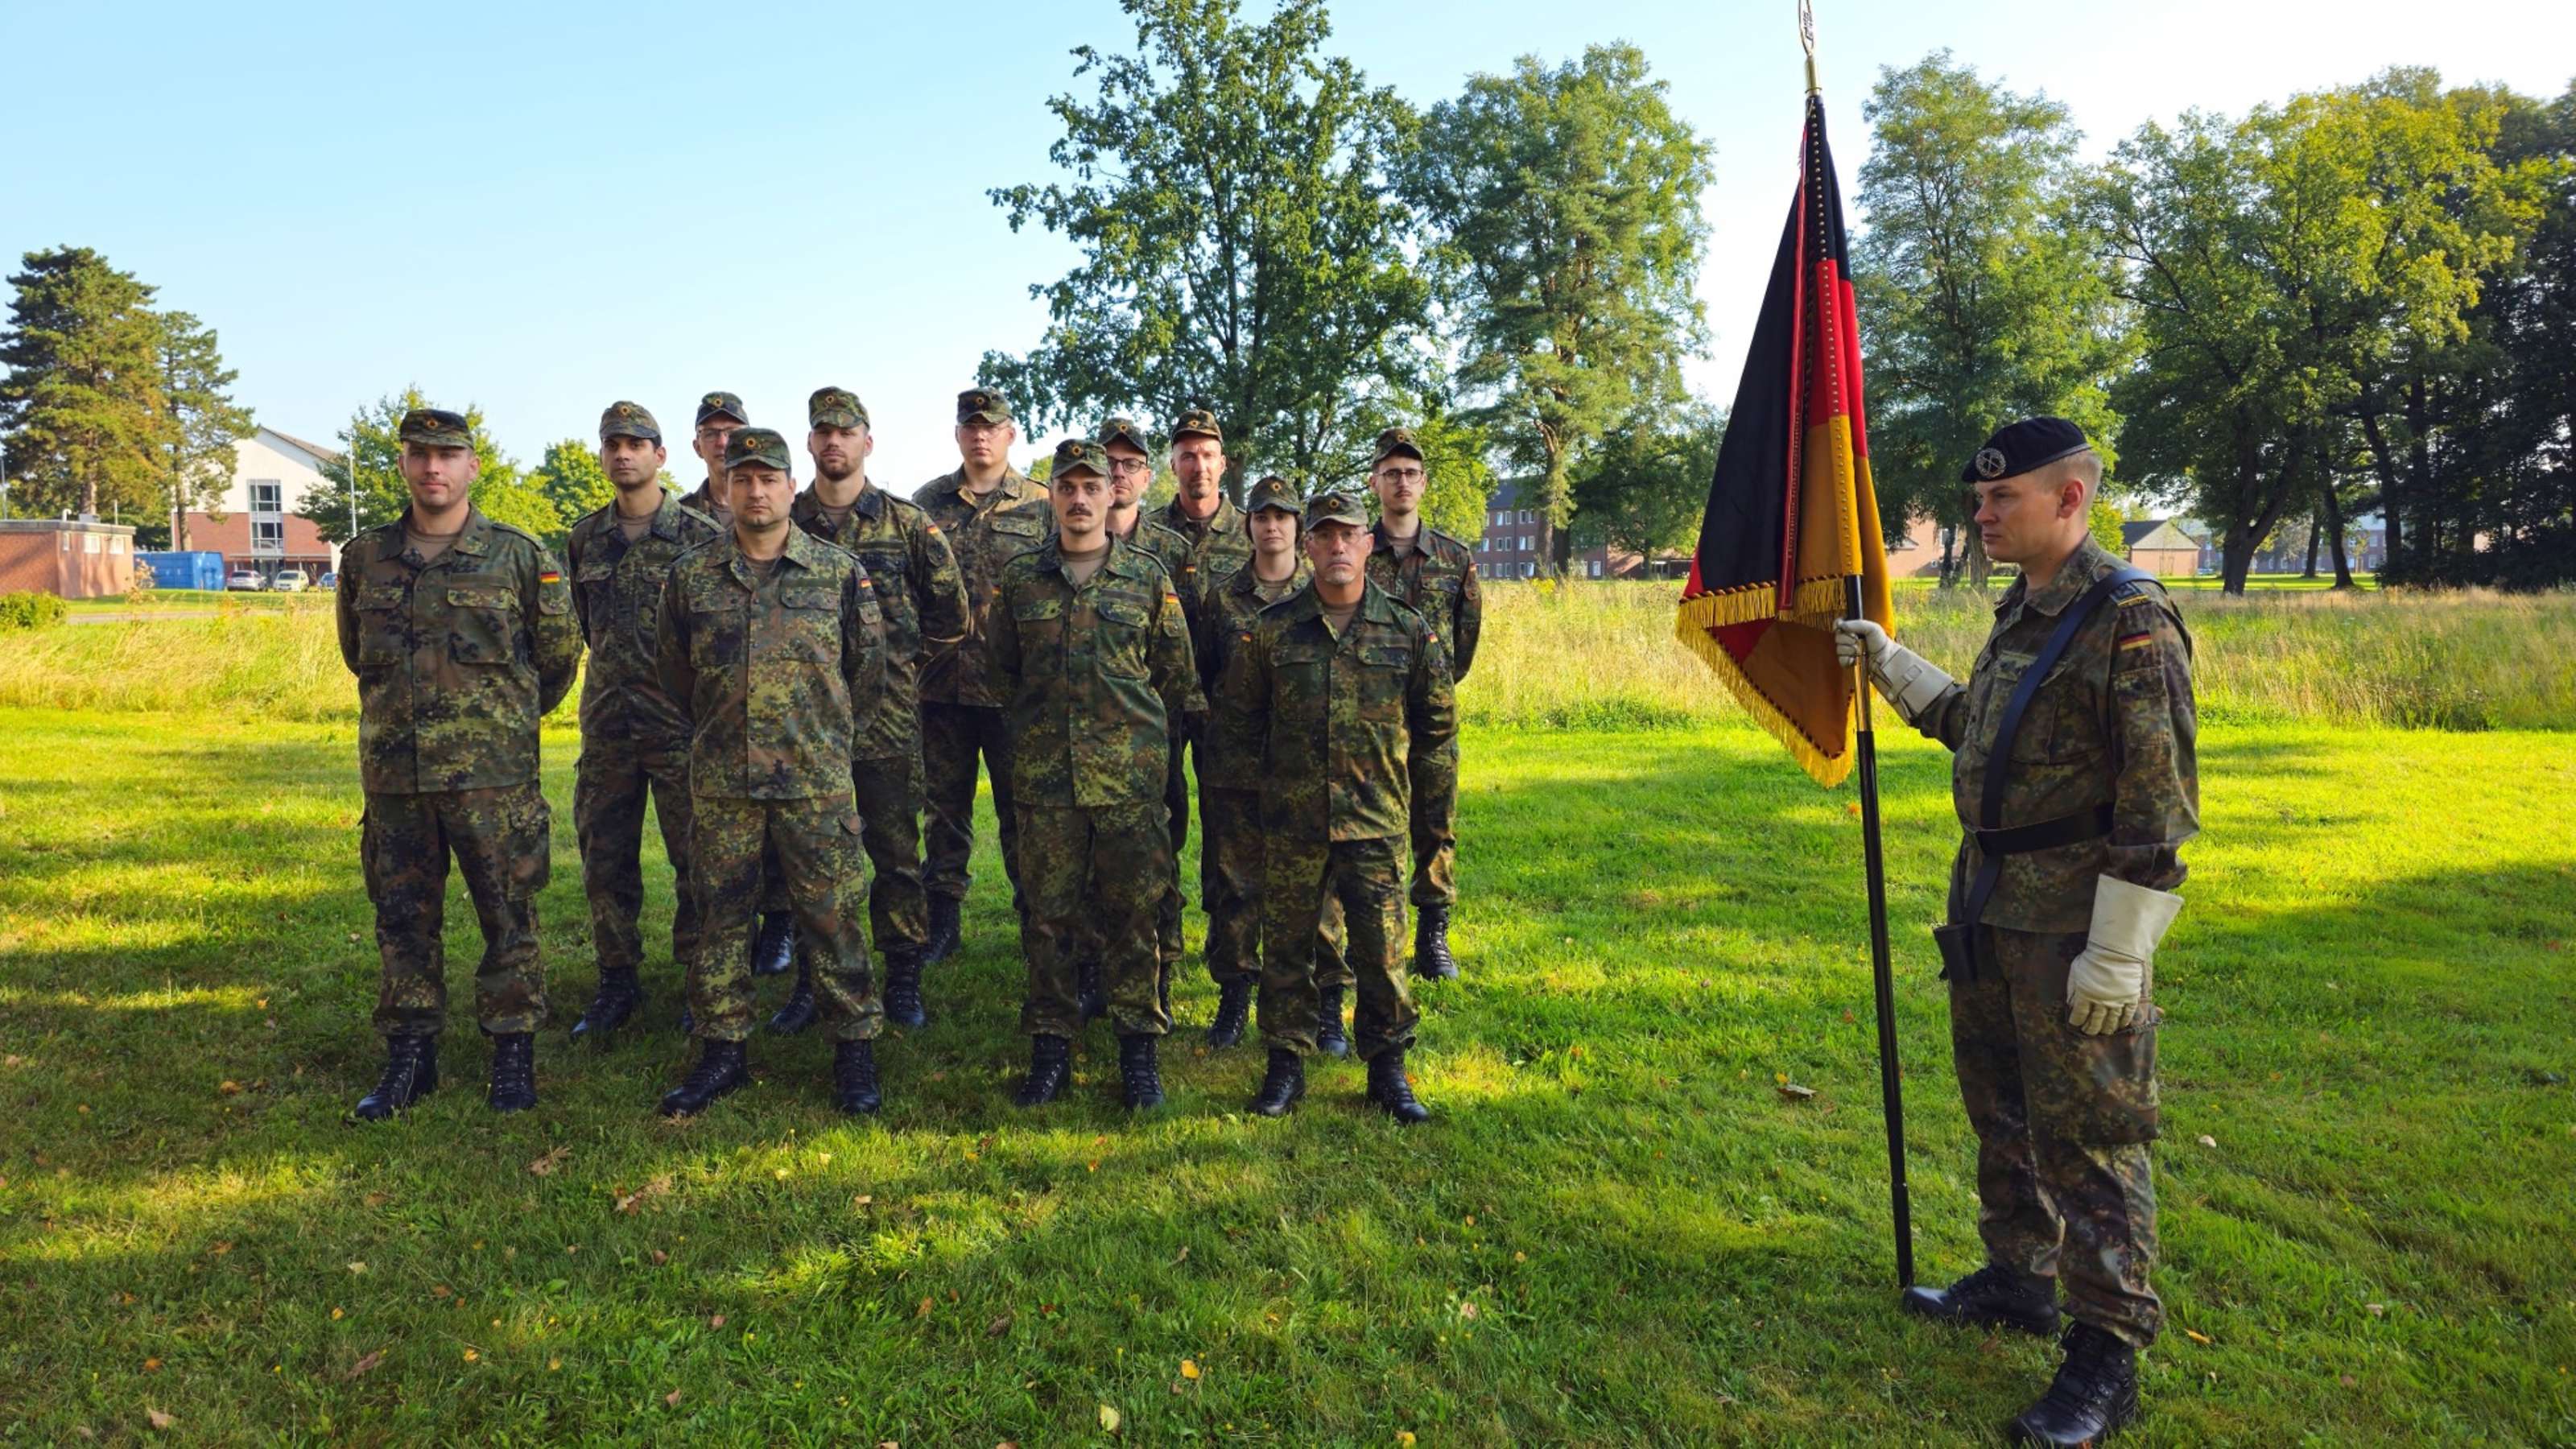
[{"x": 1574, "y": 656}]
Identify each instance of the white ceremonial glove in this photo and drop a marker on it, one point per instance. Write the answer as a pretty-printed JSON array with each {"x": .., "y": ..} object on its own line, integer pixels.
[
  {"x": 1911, "y": 682},
  {"x": 2106, "y": 987}
]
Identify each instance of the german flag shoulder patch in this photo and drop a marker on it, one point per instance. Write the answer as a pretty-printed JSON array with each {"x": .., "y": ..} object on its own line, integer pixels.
[
  {"x": 549, "y": 576},
  {"x": 2136, "y": 638}
]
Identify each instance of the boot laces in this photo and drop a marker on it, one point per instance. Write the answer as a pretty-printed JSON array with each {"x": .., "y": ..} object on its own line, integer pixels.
[{"x": 2083, "y": 1382}]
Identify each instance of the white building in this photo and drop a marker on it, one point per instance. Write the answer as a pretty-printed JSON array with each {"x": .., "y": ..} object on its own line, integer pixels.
[{"x": 253, "y": 525}]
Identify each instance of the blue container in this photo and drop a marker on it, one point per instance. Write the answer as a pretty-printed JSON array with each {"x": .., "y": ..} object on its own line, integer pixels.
[{"x": 193, "y": 569}]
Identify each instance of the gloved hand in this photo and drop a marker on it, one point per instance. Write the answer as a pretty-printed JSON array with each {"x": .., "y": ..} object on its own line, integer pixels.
[
  {"x": 2106, "y": 987},
  {"x": 1911, "y": 682}
]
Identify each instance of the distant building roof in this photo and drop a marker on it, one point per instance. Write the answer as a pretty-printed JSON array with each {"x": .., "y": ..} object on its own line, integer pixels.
[
  {"x": 320, "y": 453},
  {"x": 2155, "y": 534}
]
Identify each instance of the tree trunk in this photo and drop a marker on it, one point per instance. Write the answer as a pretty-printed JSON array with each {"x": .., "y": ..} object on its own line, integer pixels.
[
  {"x": 2334, "y": 530},
  {"x": 2391, "y": 494},
  {"x": 2316, "y": 535},
  {"x": 1949, "y": 558},
  {"x": 1979, "y": 567}
]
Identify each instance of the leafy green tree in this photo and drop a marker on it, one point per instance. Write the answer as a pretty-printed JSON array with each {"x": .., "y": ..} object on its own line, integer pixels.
[
  {"x": 1457, "y": 468},
  {"x": 2284, "y": 267},
  {"x": 1566, "y": 201},
  {"x": 370, "y": 444},
  {"x": 82, "y": 416},
  {"x": 1645, "y": 488},
  {"x": 1240, "y": 246},
  {"x": 1979, "y": 302},
  {"x": 203, "y": 420},
  {"x": 572, "y": 479}
]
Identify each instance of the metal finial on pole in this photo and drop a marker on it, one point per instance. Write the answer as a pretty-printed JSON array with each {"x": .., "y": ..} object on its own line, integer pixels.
[{"x": 1807, "y": 41}]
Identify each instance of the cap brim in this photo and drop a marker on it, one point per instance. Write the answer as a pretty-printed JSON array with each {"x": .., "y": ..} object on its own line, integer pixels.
[
  {"x": 988, "y": 415},
  {"x": 836, "y": 420},
  {"x": 631, "y": 430}
]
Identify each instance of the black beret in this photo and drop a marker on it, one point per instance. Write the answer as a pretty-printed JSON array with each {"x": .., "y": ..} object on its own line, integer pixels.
[{"x": 2016, "y": 448}]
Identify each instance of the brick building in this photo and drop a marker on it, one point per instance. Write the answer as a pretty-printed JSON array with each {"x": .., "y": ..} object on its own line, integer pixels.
[
  {"x": 78, "y": 558},
  {"x": 254, "y": 525}
]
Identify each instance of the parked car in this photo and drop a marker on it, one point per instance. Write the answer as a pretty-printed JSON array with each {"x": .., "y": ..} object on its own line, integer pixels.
[
  {"x": 245, "y": 580},
  {"x": 290, "y": 581},
  {"x": 330, "y": 580}
]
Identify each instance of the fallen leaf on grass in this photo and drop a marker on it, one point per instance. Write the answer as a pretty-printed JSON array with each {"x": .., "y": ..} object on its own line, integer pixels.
[
  {"x": 2375, "y": 1310},
  {"x": 364, "y": 1364},
  {"x": 628, "y": 1202},
  {"x": 998, "y": 1326},
  {"x": 158, "y": 1419},
  {"x": 1467, "y": 1309},
  {"x": 2195, "y": 1335},
  {"x": 1404, "y": 1438},
  {"x": 229, "y": 1088},
  {"x": 924, "y": 1310},
  {"x": 1189, "y": 1369},
  {"x": 1792, "y": 1092},
  {"x": 660, "y": 1257},
  {"x": 152, "y": 1365},
  {"x": 1183, "y": 1258},
  {"x": 554, "y": 1157},
  {"x": 1109, "y": 1418},
  {"x": 672, "y": 1399},
  {"x": 2208, "y": 1141},
  {"x": 358, "y": 1267},
  {"x": 715, "y": 1321}
]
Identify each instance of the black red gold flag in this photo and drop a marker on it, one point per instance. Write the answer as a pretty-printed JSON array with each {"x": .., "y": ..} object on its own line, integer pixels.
[{"x": 1791, "y": 516}]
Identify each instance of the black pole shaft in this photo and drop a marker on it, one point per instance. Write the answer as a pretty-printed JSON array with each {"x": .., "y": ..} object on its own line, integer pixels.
[{"x": 1891, "y": 1090}]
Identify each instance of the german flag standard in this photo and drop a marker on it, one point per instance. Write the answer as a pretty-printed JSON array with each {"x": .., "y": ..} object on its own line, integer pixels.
[{"x": 1792, "y": 522}]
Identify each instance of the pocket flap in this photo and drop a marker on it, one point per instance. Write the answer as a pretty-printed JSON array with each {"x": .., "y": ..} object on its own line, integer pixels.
[
  {"x": 1387, "y": 656},
  {"x": 380, "y": 596},
  {"x": 480, "y": 598},
  {"x": 596, "y": 571},
  {"x": 809, "y": 596},
  {"x": 1125, "y": 611},
  {"x": 1027, "y": 525},
  {"x": 1038, "y": 609}
]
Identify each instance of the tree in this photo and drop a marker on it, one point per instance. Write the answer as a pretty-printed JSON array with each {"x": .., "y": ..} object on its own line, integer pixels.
[
  {"x": 572, "y": 478},
  {"x": 1567, "y": 206},
  {"x": 371, "y": 446},
  {"x": 1458, "y": 476},
  {"x": 82, "y": 417},
  {"x": 1978, "y": 302},
  {"x": 204, "y": 422},
  {"x": 1241, "y": 248},
  {"x": 1646, "y": 486},
  {"x": 2284, "y": 267}
]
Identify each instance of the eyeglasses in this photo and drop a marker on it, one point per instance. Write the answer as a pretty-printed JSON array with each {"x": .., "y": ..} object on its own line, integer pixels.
[
  {"x": 1129, "y": 467},
  {"x": 1400, "y": 475}
]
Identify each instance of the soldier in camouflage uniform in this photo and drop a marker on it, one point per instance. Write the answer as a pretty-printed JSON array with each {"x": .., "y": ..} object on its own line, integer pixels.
[
  {"x": 719, "y": 413},
  {"x": 1219, "y": 543},
  {"x": 1230, "y": 763},
  {"x": 1089, "y": 637},
  {"x": 1436, "y": 575},
  {"x": 461, "y": 633},
  {"x": 772, "y": 641},
  {"x": 634, "y": 741},
  {"x": 2056, "y": 913},
  {"x": 1349, "y": 692},
  {"x": 1131, "y": 470},
  {"x": 923, "y": 599},
  {"x": 990, "y": 512}
]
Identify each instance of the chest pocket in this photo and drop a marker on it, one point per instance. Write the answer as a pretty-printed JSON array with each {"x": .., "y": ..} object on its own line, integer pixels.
[
  {"x": 381, "y": 635},
  {"x": 715, "y": 625},
  {"x": 811, "y": 621},
  {"x": 1298, "y": 688},
  {"x": 1383, "y": 670},
  {"x": 1040, "y": 623},
  {"x": 597, "y": 583},
  {"x": 479, "y": 619},
  {"x": 2057, "y": 728},
  {"x": 1125, "y": 626}
]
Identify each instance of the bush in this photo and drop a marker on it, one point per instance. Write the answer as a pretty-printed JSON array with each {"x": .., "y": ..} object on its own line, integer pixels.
[{"x": 30, "y": 611}]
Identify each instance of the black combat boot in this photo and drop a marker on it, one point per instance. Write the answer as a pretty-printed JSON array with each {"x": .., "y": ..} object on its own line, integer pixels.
[
  {"x": 1093, "y": 1002},
  {"x": 775, "y": 950},
  {"x": 1994, "y": 1296},
  {"x": 514, "y": 1072},
  {"x": 798, "y": 1013},
  {"x": 620, "y": 996},
  {"x": 947, "y": 929},
  {"x": 721, "y": 1068},
  {"x": 1281, "y": 1085},
  {"x": 2095, "y": 1392},
  {"x": 1233, "y": 1010},
  {"x": 1391, "y": 1091},
  {"x": 411, "y": 1073},
  {"x": 1139, "y": 1073},
  {"x": 903, "y": 1004},
  {"x": 854, "y": 1078},
  {"x": 1330, "y": 1039},
  {"x": 1050, "y": 1067},
  {"x": 1431, "y": 945}
]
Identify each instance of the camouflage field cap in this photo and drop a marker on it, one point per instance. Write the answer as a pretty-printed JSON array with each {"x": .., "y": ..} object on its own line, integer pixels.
[
  {"x": 762, "y": 446},
  {"x": 1335, "y": 506},
  {"x": 835, "y": 407},
  {"x": 721, "y": 404},
  {"x": 1395, "y": 443},
  {"x": 436, "y": 428},
  {"x": 1075, "y": 453},
  {"x": 1199, "y": 421},
  {"x": 1273, "y": 491},
  {"x": 982, "y": 405},
  {"x": 624, "y": 419},
  {"x": 1123, "y": 430}
]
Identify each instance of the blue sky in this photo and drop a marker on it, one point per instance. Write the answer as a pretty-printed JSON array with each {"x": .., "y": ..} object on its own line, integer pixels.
[{"x": 540, "y": 208}]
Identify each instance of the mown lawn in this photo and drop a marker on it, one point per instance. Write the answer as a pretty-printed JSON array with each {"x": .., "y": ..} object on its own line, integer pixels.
[{"x": 1616, "y": 1231}]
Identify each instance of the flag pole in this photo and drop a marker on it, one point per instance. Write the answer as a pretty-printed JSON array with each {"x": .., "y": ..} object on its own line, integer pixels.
[{"x": 1891, "y": 1089}]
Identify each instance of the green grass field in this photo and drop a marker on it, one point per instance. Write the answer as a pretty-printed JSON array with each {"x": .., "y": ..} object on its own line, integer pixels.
[{"x": 1617, "y": 1230}]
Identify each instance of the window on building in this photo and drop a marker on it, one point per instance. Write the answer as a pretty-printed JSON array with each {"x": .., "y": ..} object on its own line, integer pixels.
[
  {"x": 268, "y": 535},
  {"x": 1596, "y": 568},
  {"x": 90, "y": 542},
  {"x": 266, "y": 496}
]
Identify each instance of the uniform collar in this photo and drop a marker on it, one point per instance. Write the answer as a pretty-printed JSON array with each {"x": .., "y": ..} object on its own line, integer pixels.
[
  {"x": 1374, "y": 605},
  {"x": 1421, "y": 541},
  {"x": 2070, "y": 581},
  {"x": 802, "y": 551},
  {"x": 666, "y": 519},
  {"x": 473, "y": 542},
  {"x": 1014, "y": 485},
  {"x": 808, "y": 504},
  {"x": 1051, "y": 558},
  {"x": 1246, "y": 583},
  {"x": 1226, "y": 519}
]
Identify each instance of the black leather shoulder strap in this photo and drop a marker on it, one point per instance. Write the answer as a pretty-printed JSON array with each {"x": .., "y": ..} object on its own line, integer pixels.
[{"x": 1990, "y": 803}]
